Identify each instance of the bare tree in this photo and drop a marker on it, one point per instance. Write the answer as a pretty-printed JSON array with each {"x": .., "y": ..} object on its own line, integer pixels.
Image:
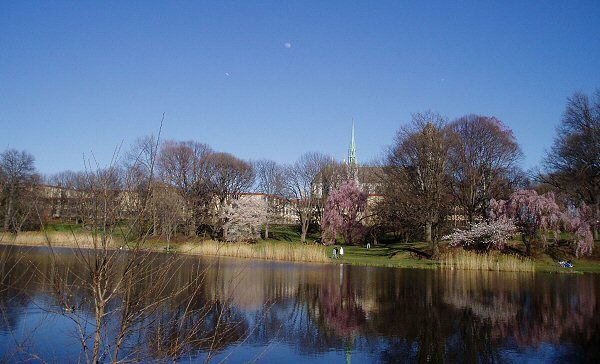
[
  {"x": 60, "y": 199},
  {"x": 139, "y": 160},
  {"x": 418, "y": 169},
  {"x": 183, "y": 165},
  {"x": 125, "y": 288},
  {"x": 139, "y": 165},
  {"x": 18, "y": 175},
  {"x": 75, "y": 198},
  {"x": 395, "y": 212},
  {"x": 332, "y": 176},
  {"x": 205, "y": 179},
  {"x": 103, "y": 203},
  {"x": 168, "y": 208},
  {"x": 483, "y": 163},
  {"x": 226, "y": 178},
  {"x": 301, "y": 190},
  {"x": 573, "y": 163},
  {"x": 228, "y": 175},
  {"x": 270, "y": 178}
]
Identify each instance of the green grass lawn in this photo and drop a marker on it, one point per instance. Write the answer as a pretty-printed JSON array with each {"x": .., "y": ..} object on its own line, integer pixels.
[
  {"x": 288, "y": 234},
  {"x": 388, "y": 255},
  {"x": 64, "y": 227},
  {"x": 546, "y": 264}
]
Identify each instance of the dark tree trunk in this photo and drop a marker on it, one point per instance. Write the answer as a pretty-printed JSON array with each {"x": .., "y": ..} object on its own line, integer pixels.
[
  {"x": 527, "y": 244},
  {"x": 595, "y": 228},
  {"x": 304, "y": 222},
  {"x": 435, "y": 249},
  {"x": 9, "y": 208},
  {"x": 428, "y": 232},
  {"x": 154, "y": 222}
]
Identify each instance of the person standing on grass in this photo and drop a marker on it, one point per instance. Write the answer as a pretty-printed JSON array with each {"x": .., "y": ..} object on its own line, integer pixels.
[
  {"x": 334, "y": 253},
  {"x": 341, "y": 251}
]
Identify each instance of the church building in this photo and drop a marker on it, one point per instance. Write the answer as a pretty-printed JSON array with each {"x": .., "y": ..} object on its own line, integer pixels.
[{"x": 368, "y": 177}]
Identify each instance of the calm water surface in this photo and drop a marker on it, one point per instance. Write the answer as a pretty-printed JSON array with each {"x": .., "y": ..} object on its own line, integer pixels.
[{"x": 279, "y": 312}]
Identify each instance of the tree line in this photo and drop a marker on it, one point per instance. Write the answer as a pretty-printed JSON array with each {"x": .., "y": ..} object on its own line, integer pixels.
[
  {"x": 437, "y": 172},
  {"x": 436, "y": 176}
]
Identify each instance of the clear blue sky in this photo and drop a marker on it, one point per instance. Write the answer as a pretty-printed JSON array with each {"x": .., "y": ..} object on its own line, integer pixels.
[{"x": 273, "y": 80}]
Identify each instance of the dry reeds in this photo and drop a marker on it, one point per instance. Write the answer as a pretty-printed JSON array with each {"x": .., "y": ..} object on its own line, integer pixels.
[
  {"x": 53, "y": 238},
  {"x": 267, "y": 251},
  {"x": 493, "y": 261}
]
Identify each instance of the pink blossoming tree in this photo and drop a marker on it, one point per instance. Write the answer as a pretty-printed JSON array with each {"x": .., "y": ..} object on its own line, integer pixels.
[
  {"x": 535, "y": 214},
  {"x": 579, "y": 221},
  {"x": 531, "y": 213},
  {"x": 342, "y": 213}
]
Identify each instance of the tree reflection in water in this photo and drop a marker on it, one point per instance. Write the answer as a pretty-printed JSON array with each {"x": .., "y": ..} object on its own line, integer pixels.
[{"x": 248, "y": 309}]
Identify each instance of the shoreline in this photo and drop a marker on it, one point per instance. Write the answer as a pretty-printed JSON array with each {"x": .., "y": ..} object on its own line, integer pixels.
[
  {"x": 217, "y": 249},
  {"x": 264, "y": 250},
  {"x": 275, "y": 251}
]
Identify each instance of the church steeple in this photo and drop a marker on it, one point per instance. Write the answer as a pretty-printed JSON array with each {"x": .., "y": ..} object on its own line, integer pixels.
[{"x": 352, "y": 150}]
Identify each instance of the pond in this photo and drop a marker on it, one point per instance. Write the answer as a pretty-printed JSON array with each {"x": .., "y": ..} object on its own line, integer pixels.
[{"x": 281, "y": 312}]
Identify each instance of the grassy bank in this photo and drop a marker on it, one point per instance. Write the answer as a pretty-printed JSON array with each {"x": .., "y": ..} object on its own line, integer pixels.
[
  {"x": 284, "y": 244},
  {"x": 402, "y": 255}
]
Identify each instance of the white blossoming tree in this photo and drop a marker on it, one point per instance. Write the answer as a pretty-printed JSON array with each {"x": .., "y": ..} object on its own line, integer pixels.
[
  {"x": 243, "y": 219},
  {"x": 483, "y": 236}
]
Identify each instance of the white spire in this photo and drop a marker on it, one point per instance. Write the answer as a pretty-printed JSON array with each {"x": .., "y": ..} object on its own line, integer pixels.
[{"x": 352, "y": 149}]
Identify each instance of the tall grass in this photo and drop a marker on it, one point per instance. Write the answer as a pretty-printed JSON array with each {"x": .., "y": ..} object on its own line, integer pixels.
[
  {"x": 270, "y": 251},
  {"x": 494, "y": 261},
  {"x": 54, "y": 238},
  {"x": 291, "y": 252}
]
